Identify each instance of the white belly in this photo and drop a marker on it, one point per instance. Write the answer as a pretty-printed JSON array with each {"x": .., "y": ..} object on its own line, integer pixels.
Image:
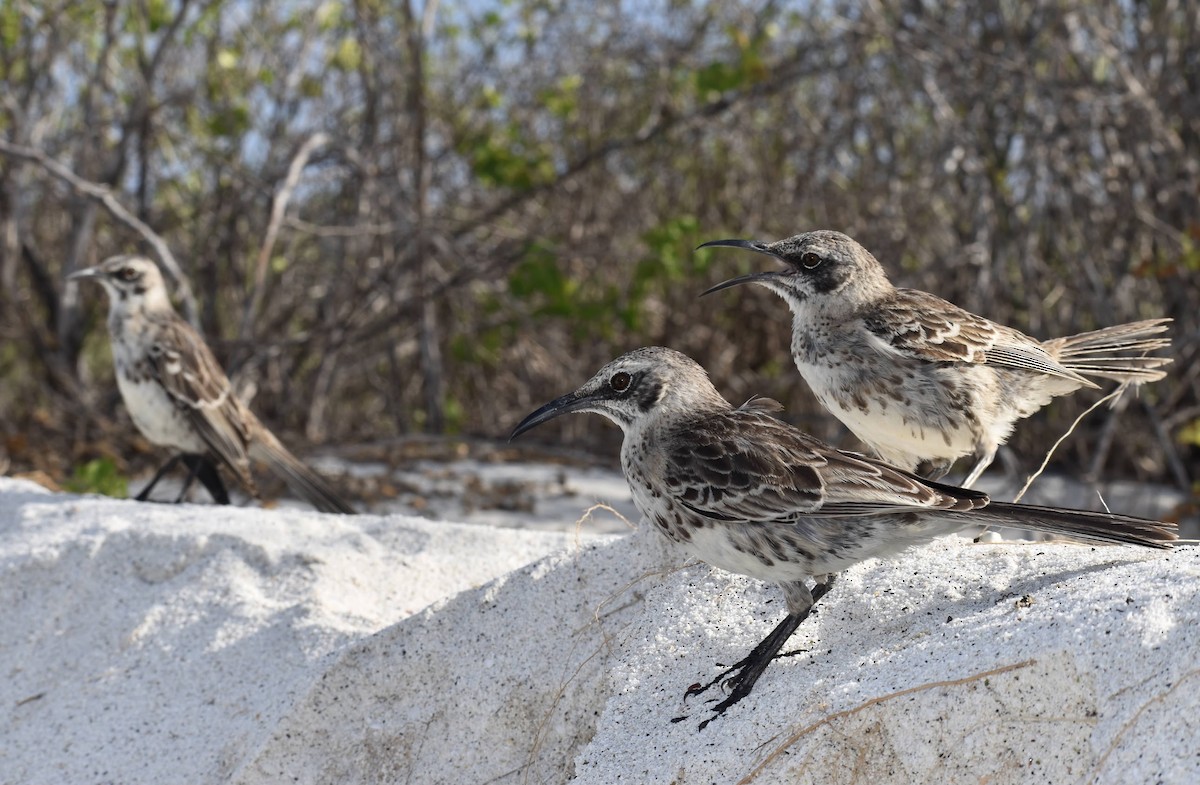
[
  {"x": 893, "y": 428},
  {"x": 157, "y": 417},
  {"x": 712, "y": 545},
  {"x": 890, "y": 429}
]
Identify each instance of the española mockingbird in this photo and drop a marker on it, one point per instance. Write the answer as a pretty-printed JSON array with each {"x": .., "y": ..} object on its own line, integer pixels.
[
  {"x": 179, "y": 397},
  {"x": 918, "y": 379},
  {"x": 748, "y": 493}
]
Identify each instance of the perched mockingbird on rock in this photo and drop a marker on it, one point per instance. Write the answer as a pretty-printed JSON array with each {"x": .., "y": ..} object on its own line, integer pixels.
[
  {"x": 918, "y": 379},
  {"x": 179, "y": 397},
  {"x": 751, "y": 494}
]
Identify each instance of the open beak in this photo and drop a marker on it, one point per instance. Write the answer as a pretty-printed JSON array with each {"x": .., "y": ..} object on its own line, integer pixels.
[
  {"x": 568, "y": 403},
  {"x": 87, "y": 272},
  {"x": 749, "y": 245},
  {"x": 741, "y": 279}
]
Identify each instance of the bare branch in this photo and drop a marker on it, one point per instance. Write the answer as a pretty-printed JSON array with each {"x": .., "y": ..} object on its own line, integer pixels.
[
  {"x": 1050, "y": 453},
  {"x": 278, "y": 209},
  {"x": 105, "y": 196}
]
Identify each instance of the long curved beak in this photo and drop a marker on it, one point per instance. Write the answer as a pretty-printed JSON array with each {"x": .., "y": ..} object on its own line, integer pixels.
[
  {"x": 568, "y": 403},
  {"x": 87, "y": 272},
  {"x": 741, "y": 279},
  {"x": 749, "y": 245}
]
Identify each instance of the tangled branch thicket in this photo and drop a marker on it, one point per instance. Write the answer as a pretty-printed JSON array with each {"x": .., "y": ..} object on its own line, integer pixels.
[{"x": 398, "y": 218}]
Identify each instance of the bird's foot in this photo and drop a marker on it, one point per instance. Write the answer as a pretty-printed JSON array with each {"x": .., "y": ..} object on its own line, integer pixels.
[
  {"x": 735, "y": 685},
  {"x": 739, "y": 684},
  {"x": 934, "y": 469},
  {"x": 737, "y": 681},
  {"x": 723, "y": 678}
]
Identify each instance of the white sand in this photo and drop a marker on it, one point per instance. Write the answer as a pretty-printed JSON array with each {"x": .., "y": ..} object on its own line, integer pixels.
[{"x": 151, "y": 643}]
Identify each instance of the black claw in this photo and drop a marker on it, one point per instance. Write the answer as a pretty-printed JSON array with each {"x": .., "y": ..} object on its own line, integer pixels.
[
  {"x": 791, "y": 653},
  {"x": 721, "y": 678}
]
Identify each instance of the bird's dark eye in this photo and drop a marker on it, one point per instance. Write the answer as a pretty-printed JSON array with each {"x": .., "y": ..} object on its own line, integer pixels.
[
  {"x": 127, "y": 273},
  {"x": 810, "y": 261},
  {"x": 620, "y": 381}
]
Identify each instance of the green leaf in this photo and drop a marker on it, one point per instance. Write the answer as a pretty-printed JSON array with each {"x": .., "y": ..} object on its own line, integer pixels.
[
  {"x": 348, "y": 56},
  {"x": 490, "y": 97},
  {"x": 538, "y": 274},
  {"x": 10, "y": 25},
  {"x": 504, "y": 158},
  {"x": 99, "y": 475},
  {"x": 311, "y": 86},
  {"x": 158, "y": 15},
  {"x": 715, "y": 78},
  {"x": 452, "y": 414},
  {"x": 672, "y": 255},
  {"x": 227, "y": 59},
  {"x": 1190, "y": 434},
  {"x": 328, "y": 15},
  {"x": 229, "y": 121}
]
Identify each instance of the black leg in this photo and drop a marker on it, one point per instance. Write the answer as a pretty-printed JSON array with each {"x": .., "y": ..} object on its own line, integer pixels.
[
  {"x": 192, "y": 462},
  {"x": 205, "y": 471},
  {"x": 166, "y": 467},
  {"x": 934, "y": 470},
  {"x": 747, "y": 670}
]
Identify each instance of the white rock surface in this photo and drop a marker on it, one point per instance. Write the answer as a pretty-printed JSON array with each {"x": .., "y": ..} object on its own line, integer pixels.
[
  {"x": 192, "y": 645},
  {"x": 150, "y": 643}
]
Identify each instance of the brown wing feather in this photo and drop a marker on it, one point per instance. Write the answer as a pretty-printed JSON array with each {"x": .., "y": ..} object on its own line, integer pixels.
[
  {"x": 925, "y": 327},
  {"x": 192, "y": 377},
  {"x": 747, "y": 466}
]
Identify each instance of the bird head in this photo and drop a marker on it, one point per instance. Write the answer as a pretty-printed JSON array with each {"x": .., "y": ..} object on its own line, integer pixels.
[
  {"x": 634, "y": 388},
  {"x": 821, "y": 266},
  {"x": 130, "y": 281}
]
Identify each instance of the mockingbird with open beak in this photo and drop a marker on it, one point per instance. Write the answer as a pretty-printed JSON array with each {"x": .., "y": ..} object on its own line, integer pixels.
[{"x": 918, "y": 379}]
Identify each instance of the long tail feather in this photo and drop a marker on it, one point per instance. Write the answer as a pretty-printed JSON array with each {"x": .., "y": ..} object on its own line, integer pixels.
[
  {"x": 1079, "y": 524},
  {"x": 302, "y": 480},
  {"x": 1117, "y": 353}
]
